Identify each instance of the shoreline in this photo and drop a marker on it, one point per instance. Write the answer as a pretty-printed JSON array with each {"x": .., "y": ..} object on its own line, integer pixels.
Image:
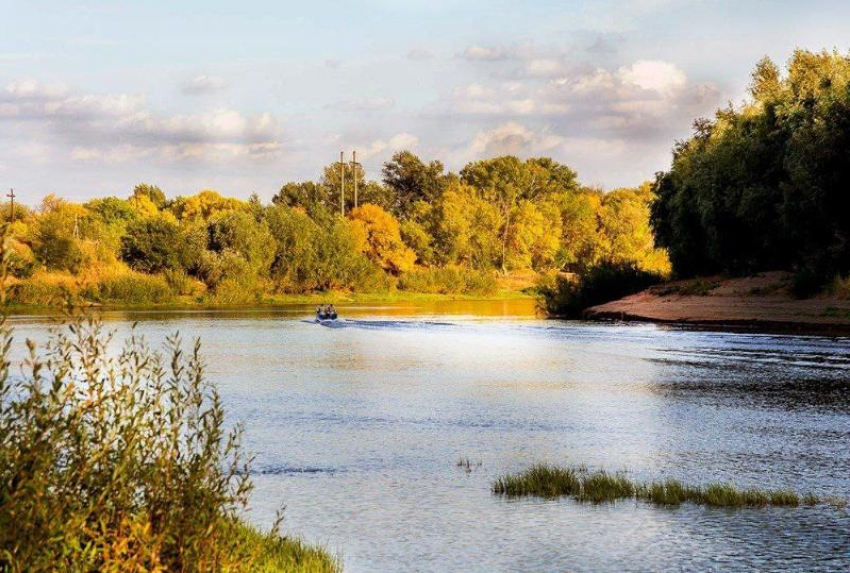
[
  {"x": 760, "y": 303},
  {"x": 284, "y": 301}
]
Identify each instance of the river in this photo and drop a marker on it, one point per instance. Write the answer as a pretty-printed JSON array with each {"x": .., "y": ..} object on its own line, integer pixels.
[{"x": 357, "y": 430}]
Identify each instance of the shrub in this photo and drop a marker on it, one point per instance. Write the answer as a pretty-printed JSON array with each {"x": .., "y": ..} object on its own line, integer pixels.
[
  {"x": 840, "y": 287},
  {"x": 123, "y": 463},
  {"x": 131, "y": 288},
  {"x": 448, "y": 280},
  {"x": 569, "y": 298},
  {"x": 179, "y": 282},
  {"x": 239, "y": 289},
  {"x": 44, "y": 289}
]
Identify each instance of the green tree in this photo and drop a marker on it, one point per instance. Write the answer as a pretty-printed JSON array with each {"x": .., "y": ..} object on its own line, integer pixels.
[
  {"x": 151, "y": 245},
  {"x": 764, "y": 187},
  {"x": 58, "y": 234},
  {"x": 412, "y": 180},
  {"x": 152, "y": 192}
]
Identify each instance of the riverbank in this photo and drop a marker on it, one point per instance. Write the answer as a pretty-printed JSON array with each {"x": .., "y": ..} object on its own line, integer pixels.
[
  {"x": 339, "y": 298},
  {"x": 763, "y": 301},
  {"x": 54, "y": 291}
]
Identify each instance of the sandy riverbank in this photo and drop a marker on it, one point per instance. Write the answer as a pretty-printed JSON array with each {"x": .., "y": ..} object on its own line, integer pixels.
[{"x": 761, "y": 301}]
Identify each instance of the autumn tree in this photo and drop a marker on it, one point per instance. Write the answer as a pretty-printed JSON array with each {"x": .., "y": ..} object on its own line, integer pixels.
[{"x": 382, "y": 238}]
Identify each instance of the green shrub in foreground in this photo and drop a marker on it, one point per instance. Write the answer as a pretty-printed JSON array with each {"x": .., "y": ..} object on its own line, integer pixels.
[{"x": 123, "y": 463}]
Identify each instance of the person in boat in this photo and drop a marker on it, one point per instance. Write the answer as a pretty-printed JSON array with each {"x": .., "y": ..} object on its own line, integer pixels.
[{"x": 332, "y": 312}]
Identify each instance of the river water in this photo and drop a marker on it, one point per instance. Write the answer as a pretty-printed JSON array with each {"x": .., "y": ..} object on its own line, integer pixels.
[{"x": 357, "y": 430}]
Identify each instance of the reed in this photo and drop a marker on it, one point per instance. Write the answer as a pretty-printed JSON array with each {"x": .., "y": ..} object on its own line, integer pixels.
[
  {"x": 540, "y": 480},
  {"x": 601, "y": 486}
]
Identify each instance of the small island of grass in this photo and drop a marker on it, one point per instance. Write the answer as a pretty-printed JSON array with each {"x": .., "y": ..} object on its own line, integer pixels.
[{"x": 600, "y": 486}]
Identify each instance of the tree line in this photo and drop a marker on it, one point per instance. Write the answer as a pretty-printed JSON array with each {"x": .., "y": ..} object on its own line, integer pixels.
[
  {"x": 420, "y": 228},
  {"x": 766, "y": 186}
]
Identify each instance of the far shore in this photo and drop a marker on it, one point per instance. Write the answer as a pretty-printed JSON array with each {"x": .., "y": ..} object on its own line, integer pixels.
[
  {"x": 761, "y": 302},
  {"x": 291, "y": 300}
]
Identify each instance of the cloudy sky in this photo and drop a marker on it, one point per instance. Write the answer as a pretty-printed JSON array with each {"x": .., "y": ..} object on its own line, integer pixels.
[{"x": 242, "y": 96}]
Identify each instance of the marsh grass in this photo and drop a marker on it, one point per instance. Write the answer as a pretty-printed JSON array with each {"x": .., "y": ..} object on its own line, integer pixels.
[
  {"x": 600, "y": 486},
  {"x": 540, "y": 480},
  {"x": 121, "y": 461},
  {"x": 468, "y": 465}
]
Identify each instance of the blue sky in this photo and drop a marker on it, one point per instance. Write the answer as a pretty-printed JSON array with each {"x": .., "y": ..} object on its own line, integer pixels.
[{"x": 242, "y": 96}]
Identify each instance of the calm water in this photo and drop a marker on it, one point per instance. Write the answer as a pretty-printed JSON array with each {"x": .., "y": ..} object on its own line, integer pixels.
[{"x": 357, "y": 430}]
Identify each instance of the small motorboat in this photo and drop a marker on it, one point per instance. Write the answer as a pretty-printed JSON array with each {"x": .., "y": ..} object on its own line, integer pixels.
[{"x": 326, "y": 314}]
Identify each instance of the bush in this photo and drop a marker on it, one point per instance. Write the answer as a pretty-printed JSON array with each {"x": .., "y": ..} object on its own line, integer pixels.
[
  {"x": 123, "y": 463},
  {"x": 569, "y": 298},
  {"x": 181, "y": 283},
  {"x": 44, "y": 289},
  {"x": 131, "y": 288},
  {"x": 240, "y": 289},
  {"x": 448, "y": 280}
]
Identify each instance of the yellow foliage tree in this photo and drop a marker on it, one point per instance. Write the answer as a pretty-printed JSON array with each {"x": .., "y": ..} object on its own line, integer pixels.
[
  {"x": 204, "y": 205},
  {"x": 383, "y": 244}
]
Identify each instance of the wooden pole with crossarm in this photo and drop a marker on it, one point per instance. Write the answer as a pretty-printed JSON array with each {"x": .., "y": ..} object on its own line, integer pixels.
[{"x": 11, "y": 196}]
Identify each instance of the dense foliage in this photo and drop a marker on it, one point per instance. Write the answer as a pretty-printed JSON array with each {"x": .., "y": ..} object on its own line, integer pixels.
[
  {"x": 420, "y": 229},
  {"x": 766, "y": 186},
  {"x": 122, "y": 462},
  {"x": 568, "y": 297}
]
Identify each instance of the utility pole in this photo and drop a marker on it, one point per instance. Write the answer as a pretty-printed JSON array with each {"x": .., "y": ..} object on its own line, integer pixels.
[
  {"x": 342, "y": 182},
  {"x": 354, "y": 170},
  {"x": 11, "y": 196}
]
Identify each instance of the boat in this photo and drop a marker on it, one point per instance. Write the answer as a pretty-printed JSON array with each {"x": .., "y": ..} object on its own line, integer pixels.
[{"x": 326, "y": 315}]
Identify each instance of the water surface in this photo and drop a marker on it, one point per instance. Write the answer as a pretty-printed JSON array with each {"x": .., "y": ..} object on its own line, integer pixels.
[{"x": 357, "y": 431}]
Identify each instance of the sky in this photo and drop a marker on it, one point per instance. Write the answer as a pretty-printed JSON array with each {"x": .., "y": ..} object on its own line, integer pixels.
[{"x": 241, "y": 97}]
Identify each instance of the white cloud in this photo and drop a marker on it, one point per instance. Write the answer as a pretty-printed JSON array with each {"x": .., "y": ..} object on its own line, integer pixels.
[
  {"x": 512, "y": 138},
  {"x": 377, "y": 147},
  {"x": 204, "y": 84},
  {"x": 116, "y": 128},
  {"x": 29, "y": 90},
  {"x": 654, "y": 75}
]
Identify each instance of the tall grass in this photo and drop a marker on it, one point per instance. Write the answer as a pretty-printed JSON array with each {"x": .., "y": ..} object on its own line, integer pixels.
[
  {"x": 448, "y": 280},
  {"x": 122, "y": 462},
  {"x": 600, "y": 486},
  {"x": 130, "y": 288}
]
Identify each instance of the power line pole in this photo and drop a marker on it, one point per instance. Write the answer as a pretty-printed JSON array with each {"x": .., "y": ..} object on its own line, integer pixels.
[
  {"x": 342, "y": 182},
  {"x": 354, "y": 170},
  {"x": 11, "y": 196}
]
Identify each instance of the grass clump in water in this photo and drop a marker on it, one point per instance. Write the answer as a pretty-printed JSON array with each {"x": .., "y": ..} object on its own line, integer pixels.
[
  {"x": 601, "y": 486},
  {"x": 668, "y": 492},
  {"x": 541, "y": 480}
]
